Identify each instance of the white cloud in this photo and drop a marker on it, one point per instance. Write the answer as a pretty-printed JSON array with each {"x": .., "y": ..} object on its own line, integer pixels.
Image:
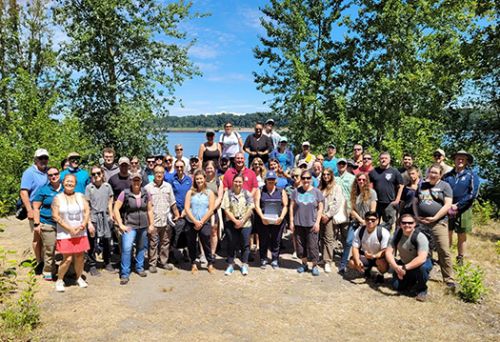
[
  {"x": 231, "y": 77},
  {"x": 251, "y": 18}
]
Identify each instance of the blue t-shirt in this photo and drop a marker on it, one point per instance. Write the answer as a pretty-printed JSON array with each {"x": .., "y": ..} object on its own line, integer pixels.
[
  {"x": 32, "y": 180},
  {"x": 331, "y": 164},
  {"x": 282, "y": 182},
  {"x": 286, "y": 159},
  {"x": 82, "y": 178},
  {"x": 46, "y": 195},
  {"x": 180, "y": 187}
]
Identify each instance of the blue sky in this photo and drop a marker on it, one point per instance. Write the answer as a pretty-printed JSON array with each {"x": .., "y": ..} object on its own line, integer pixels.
[{"x": 223, "y": 53}]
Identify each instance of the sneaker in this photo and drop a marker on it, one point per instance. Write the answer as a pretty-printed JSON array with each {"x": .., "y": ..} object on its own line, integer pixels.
[
  {"x": 460, "y": 260},
  {"x": 275, "y": 265},
  {"x": 194, "y": 269},
  {"x": 168, "y": 267},
  {"x": 342, "y": 271},
  {"x": 110, "y": 268},
  {"x": 294, "y": 255},
  {"x": 94, "y": 272},
  {"x": 82, "y": 283},
  {"x": 211, "y": 269},
  {"x": 152, "y": 269},
  {"x": 422, "y": 296},
  {"x": 124, "y": 281},
  {"x": 60, "y": 286},
  {"x": 39, "y": 268},
  {"x": 244, "y": 269},
  {"x": 229, "y": 270},
  {"x": 328, "y": 267},
  {"x": 263, "y": 264},
  {"x": 48, "y": 277},
  {"x": 315, "y": 271},
  {"x": 379, "y": 279},
  {"x": 368, "y": 272},
  {"x": 302, "y": 269},
  {"x": 142, "y": 274}
]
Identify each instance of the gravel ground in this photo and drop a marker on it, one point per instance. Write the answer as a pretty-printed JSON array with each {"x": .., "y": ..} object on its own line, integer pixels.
[{"x": 277, "y": 305}]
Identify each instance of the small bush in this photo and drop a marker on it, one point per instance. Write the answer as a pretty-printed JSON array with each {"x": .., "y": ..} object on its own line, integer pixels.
[
  {"x": 471, "y": 286},
  {"x": 483, "y": 212}
]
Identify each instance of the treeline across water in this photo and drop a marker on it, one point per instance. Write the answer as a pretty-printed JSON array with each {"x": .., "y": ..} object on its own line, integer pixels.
[{"x": 218, "y": 120}]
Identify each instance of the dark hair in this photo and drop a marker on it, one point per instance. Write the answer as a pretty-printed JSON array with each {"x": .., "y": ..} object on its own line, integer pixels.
[
  {"x": 407, "y": 154},
  {"x": 371, "y": 214},
  {"x": 108, "y": 150},
  {"x": 407, "y": 215},
  {"x": 63, "y": 162},
  {"x": 437, "y": 166}
]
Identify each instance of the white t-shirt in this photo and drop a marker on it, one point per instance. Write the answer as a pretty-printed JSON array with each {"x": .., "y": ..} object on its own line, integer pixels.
[
  {"x": 72, "y": 213},
  {"x": 230, "y": 144},
  {"x": 370, "y": 242}
]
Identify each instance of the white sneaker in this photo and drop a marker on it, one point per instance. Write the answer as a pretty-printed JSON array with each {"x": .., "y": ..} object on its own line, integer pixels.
[
  {"x": 60, "y": 286},
  {"x": 82, "y": 283},
  {"x": 294, "y": 255},
  {"x": 328, "y": 268}
]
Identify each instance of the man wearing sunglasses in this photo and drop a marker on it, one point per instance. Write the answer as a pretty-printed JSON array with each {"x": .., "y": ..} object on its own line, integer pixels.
[
  {"x": 179, "y": 155},
  {"x": 149, "y": 174},
  {"x": 33, "y": 179},
  {"x": 82, "y": 176}
]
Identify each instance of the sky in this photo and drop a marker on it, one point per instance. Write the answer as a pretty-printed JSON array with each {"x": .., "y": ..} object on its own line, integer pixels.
[{"x": 223, "y": 52}]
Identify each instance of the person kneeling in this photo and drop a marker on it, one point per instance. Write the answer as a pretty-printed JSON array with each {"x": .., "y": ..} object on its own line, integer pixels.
[
  {"x": 368, "y": 247},
  {"x": 414, "y": 265}
]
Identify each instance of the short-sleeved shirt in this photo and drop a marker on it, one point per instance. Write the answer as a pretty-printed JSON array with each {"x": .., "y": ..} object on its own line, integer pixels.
[
  {"x": 230, "y": 144},
  {"x": 162, "y": 198},
  {"x": 249, "y": 179},
  {"x": 180, "y": 188},
  {"x": 261, "y": 144},
  {"x": 82, "y": 178},
  {"x": 431, "y": 198},
  {"x": 363, "y": 207},
  {"x": 238, "y": 204},
  {"x": 108, "y": 173},
  {"x": 345, "y": 180},
  {"x": 119, "y": 183},
  {"x": 32, "y": 180},
  {"x": 370, "y": 242},
  {"x": 306, "y": 206},
  {"x": 385, "y": 182},
  {"x": 408, "y": 252},
  {"x": 46, "y": 195},
  {"x": 331, "y": 164},
  {"x": 98, "y": 198}
]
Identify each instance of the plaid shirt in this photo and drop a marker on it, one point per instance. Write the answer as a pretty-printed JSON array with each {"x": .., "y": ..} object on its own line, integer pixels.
[{"x": 162, "y": 199}]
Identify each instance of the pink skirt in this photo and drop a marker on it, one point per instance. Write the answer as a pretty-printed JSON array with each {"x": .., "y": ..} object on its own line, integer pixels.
[{"x": 73, "y": 246}]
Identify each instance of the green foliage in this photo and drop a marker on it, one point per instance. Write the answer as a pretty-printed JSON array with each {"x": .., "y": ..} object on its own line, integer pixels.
[
  {"x": 497, "y": 247},
  {"x": 471, "y": 283},
  {"x": 8, "y": 273},
  {"x": 483, "y": 211}
]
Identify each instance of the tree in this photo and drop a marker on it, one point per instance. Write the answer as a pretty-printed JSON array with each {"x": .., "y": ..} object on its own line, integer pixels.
[{"x": 123, "y": 61}]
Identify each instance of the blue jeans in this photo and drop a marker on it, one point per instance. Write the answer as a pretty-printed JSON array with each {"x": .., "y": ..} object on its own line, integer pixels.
[
  {"x": 348, "y": 243},
  {"x": 417, "y": 277},
  {"x": 140, "y": 237}
]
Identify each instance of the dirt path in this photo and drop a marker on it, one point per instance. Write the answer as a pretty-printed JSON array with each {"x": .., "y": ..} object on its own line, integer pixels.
[{"x": 266, "y": 305}]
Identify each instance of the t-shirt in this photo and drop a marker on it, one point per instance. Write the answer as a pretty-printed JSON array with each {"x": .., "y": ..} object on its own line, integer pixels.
[
  {"x": 331, "y": 164},
  {"x": 82, "y": 178},
  {"x": 431, "y": 198},
  {"x": 46, "y": 195},
  {"x": 119, "y": 183},
  {"x": 275, "y": 138},
  {"x": 408, "y": 252},
  {"x": 370, "y": 242},
  {"x": 261, "y": 144},
  {"x": 230, "y": 144},
  {"x": 306, "y": 206},
  {"x": 385, "y": 182},
  {"x": 32, "y": 180},
  {"x": 249, "y": 179},
  {"x": 98, "y": 198},
  {"x": 345, "y": 181},
  {"x": 180, "y": 188},
  {"x": 363, "y": 207},
  {"x": 108, "y": 173}
]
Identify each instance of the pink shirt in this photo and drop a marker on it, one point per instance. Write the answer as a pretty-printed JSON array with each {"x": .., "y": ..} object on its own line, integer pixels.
[{"x": 249, "y": 179}]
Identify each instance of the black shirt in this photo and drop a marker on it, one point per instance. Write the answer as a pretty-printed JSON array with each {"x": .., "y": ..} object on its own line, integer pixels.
[
  {"x": 118, "y": 184},
  {"x": 261, "y": 144},
  {"x": 386, "y": 183}
]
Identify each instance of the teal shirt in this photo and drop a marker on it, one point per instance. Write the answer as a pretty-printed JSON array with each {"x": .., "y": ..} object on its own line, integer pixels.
[
  {"x": 345, "y": 181},
  {"x": 82, "y": 178}
]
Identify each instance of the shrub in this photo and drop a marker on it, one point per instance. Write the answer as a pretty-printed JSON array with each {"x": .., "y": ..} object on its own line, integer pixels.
[
  {"x": 483, "y": 212},
  {"x": 470, "y": 279}
]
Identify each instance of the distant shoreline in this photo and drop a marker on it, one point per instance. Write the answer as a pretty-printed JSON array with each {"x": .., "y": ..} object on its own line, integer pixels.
[{"x": 203, "y": 129}]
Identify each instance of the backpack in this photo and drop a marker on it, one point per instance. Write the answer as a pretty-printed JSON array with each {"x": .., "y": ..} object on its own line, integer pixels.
[
  {"x": 413, "y": 239},
  {"x": 362, "y": 233},
  {"x": 238, "y": 136}
]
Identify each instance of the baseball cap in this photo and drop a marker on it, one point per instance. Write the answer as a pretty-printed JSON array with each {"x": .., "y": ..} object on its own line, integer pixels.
[
  {"x": 193, "y": 157},
  {"x": 441, "y": 152},
  {"x": 342, "y": 160},
  {"x": 41, "y": 152},
  {"x": 284, "y": 139},
  {"x": 271, "y": 175},
  {"x": 134, "y": 175},
  {"x": 123, "y": 160},
  {"x": 352, "y": 164},
  {"x": 270, "y": 121},
  {"x": 332, "y": 145},
  {"x": 210, "y": 132},
  {"x": 306, "y": 143}
]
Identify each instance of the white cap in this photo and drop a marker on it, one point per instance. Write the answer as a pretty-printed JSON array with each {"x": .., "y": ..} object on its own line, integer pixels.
[{"x": 41, "y": 152}]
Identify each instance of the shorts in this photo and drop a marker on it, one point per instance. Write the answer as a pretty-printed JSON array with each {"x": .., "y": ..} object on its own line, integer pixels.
[
  {"x": 461, "y": 223},
  {"x": 73, "y": 246}
]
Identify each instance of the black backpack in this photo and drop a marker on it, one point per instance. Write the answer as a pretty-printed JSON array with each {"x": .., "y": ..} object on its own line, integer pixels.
[
  {"x": 362, "y": 233},
  {"x": 413, "y": 239}
]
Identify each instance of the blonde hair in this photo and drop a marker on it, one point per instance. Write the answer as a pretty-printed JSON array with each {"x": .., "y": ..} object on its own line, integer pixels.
[
  {"x": 356, "y": 190},
  {"x": 263, "y": 168}
]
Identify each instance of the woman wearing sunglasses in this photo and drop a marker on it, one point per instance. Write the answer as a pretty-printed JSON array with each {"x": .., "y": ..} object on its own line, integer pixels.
[
  {"x": 260, "y": 170},
  {"x": 43, "y": 221},
  {"x": 306, "y": 210},
  {"x": 363, "y": 199}
]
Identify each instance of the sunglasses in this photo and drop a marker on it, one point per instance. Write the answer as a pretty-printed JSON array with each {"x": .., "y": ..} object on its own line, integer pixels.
[
  {"x": 357, "y": 149},
  {"x": 43, "y": 158},
  {"x": 179, "y": 167},
  {"x": 406, "y": 223},
  {"x": 371, "y": 220},
  {"x": 437, "y": 155},
  {"x": 96, "y": 174},
  {"x": 296, "y": 176},
  {"x": 305, "y": 178},
  {"x": 74, "y": 160},
  {"x": 53, "y": 174},
  {"x": 169, "y": 160},
  {"x": 134, "y": 163},
  {"x": 361, "y": 180},
  {"x": 179, "y": 149},
  {"x": 258, "y": 164},
  {"x": 367, "y": 158}
]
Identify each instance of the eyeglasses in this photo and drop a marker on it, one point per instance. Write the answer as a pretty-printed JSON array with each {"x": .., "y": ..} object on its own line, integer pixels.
[
  {"x": 151, "y": 161},
  {"x": 134, "y": 163},
  {"x": 367, "y": 158},
  {"x": 361, "y": 180},
  {"x": 96, "y": 174},
  {"x": 406, "y": 223},
  {"x": 179, "y": 166},
  {"x": 357, "y": 149},
  {"x": 305, "y": 178},
  {"x": 53, "y": 174},
  {"x": 371, "y": 220},
  {"x": 178, "y": 149}
]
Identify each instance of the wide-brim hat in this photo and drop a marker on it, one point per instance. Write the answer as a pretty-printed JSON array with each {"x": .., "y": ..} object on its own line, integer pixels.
[{"x": 464, "y": 153}]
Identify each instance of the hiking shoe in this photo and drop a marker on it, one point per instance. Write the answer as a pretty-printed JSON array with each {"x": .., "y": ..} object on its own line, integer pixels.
[
  {"x": 94, "y": 272},
  {"x": 152, "y": 269},
  {"x": 142, "y": 274},
  {"x": 328, "y": 267},
  {"x": 82, "y": 283},
  {"x": 60, "y": 286},
  {"x": 275, "y": 265},
  {"x": 194, "y": 269},
  {"x": 110, "y": 268},
  {"x": 379, "y": 279},
  {"x": 48, "y": 277},
  {"x": 342, "y": 271},
  {"x": 124, "y": 281},
  {"x": 168, "y": 267},
  {"x": 39, "y": 268},
  {"x": 302, "y": 269},
  {"x": 368, "y": 272},
  {"x": 294, "y": 255},
  {"x": 315, "y": 271},
  {"x": 211, "y": 269},
  {"x": 451, "y": 286},
  {"x": 421, "y": 296},
  {"x": 229, "y": 270},
  {"x": 263, "y": 264},
  {"x": 460, "y": 260},
  {"x": 244, "y": 269}
]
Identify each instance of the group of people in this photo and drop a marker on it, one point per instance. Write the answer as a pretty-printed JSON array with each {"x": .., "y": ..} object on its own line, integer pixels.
[{"x": 330, "y": 205}]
